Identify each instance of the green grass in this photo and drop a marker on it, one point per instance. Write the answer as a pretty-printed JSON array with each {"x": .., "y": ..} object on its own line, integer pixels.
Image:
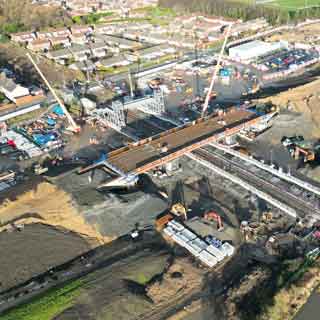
[
  {"x": 292, "y": 4},
  {"x": 48, "y": 306},
  {"x": 284, "y": 4},
  {"x": 154, "y": 12}
]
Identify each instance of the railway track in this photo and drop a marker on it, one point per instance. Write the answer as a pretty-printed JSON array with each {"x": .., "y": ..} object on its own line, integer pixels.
[
  {"x": 300, "y": 205},
  {"x": 281, "y": 191}
]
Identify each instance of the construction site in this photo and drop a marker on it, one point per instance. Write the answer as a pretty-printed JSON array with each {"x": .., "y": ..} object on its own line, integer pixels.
[{"x": 148, "y": 208}]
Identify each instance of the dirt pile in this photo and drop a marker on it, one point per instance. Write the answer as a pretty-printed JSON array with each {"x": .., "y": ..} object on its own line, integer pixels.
[
  {"x": 304, "y": 99},
  {"x": 50, "y": 205},
  {"x": 180, "y": 277}
]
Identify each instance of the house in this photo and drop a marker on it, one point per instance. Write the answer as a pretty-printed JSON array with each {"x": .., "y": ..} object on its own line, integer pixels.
[
  {"x": 83, "y": 66},
  {"x": 78, "y": 38},
  {"x": 182, "y": 42},
  {"x": 12, "y": 90},
  {"x": 132, "y": 35},
  {"x": 98, "y": 49},
  {"x": 167, "y": 49},
  {"x": 138, "y": 26},
  {"x": 44, "y": 34},
  {"x": 116, "y": 61},
  {"x": 23, "y": 37},
  {"x": 120, "y": 43},
  {"x": 60, "y": 56},
  {"x": 152, "y": 53},
  {"x": 60, "y": 41},
  {"x": 104, "y": 28},
  {"x": 61, "y": 32},
  {"x": 39, "y": 45},
  {"x": 80, "y": 52},
  {"x": 81, "y": 29},
  {"x": 155, "y": 38},
  {"x": 214, "y": 36},
  {"x": 23, "y": 105}
]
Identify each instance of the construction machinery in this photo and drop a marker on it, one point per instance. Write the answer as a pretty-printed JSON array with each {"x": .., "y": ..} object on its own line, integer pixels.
[
  {"x": 305, "y": 153},
  {"x": 300, "y": 148},
  {"x": 210, "y": 92},
  {"x": 267, "y": 216},
  {"x": 73, "y": 127},
  {"x": 213, "y": 216},
  {"x": 38, "y": 169},
  {"x": 179, "y": 210}
]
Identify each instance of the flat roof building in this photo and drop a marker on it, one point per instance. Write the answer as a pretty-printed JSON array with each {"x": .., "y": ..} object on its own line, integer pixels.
[{"x": 254, "y": 49}]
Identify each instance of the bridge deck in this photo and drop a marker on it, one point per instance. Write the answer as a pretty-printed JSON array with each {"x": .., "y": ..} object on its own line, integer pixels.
[{"x": 139, "y": 156}]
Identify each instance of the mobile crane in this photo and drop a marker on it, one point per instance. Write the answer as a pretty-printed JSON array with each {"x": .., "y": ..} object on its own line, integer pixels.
[
  {"x": 210, "y": 92},
  {"x": 72, "y": 125}
]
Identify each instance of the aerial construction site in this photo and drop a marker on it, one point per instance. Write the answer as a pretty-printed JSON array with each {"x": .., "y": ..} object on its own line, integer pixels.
[{"x": 191, "y": 193}]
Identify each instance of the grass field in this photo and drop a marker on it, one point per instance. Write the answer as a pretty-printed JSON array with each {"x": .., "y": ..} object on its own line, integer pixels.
[
  {"x": 290, "y": 4},
  {"x": 47, "y": 306}
]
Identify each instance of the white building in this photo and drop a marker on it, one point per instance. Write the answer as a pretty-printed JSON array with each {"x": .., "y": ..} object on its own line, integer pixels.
[
  {"x": 254, "y": 49},
  {"x": 12, "y": 90}
]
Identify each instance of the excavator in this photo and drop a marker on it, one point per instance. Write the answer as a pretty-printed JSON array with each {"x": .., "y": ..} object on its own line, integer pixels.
[
  {"x": 213, "y": 216},
  {"x": 307, "y": 154},
  {"x": 179, "y": 210}
]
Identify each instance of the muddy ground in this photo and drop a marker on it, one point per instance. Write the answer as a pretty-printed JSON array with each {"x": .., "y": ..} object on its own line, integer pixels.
[
  {"x": 268, "y": 145},
  {"x": 35, "y": 249},
  {"x": 117, "y": 292}
]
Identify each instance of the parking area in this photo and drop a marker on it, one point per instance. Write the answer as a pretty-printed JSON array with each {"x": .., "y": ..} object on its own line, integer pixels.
[{"x": 286, "y": 60}]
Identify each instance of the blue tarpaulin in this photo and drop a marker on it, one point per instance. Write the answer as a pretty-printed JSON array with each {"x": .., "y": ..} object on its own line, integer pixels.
[
  {"x": 224, "y": 72},
  {"x": 51, "y": 122},
  {"x": 42, "y": 139},
  {"x": 58, "y": 110}
]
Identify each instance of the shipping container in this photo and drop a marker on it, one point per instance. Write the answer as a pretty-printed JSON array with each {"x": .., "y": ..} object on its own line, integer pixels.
[
  {"x": 188, "y": 234},
  {"x": 227, "y": 249},
  {"x": 216, "y": 252},
  {"x": 194, "y": 251},
  {"x": 176, "y": 225},
  {"x": 208, "y": 259},
  {"x": 169, "y": 231},
  {"x": 179, "y": 240}
]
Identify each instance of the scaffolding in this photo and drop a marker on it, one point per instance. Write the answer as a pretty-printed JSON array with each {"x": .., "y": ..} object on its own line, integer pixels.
[
  {"x": 154, "y": 105},
  {"x": 112, "y": 116}
]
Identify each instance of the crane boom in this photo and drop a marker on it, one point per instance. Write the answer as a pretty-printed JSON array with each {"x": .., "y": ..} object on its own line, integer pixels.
[
  {"x": 215, "y": 72},
  {"x": 72, "y": 123}
]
